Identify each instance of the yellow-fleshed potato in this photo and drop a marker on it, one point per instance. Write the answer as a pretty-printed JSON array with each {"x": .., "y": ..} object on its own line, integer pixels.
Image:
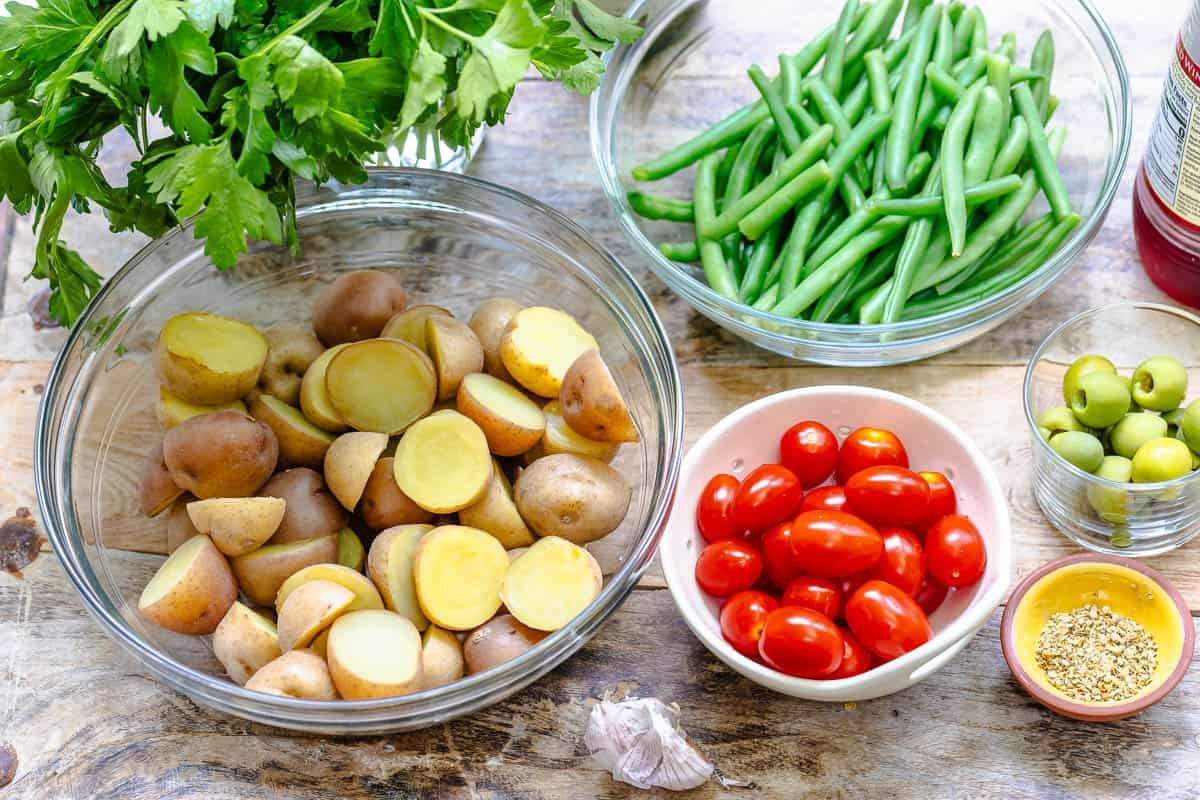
[
  {"x": 261, "y": 573},
  {"x": 237, "y": 525},
  {"x": 192, "y": 589},
  {"x": 455, "y": 350},
  {"x": 441, "y": 658},
  {"x": 292, "y": 348},
  {"x": 310, "y": 609},
  {"x": 548, "y": 586},
  {"x": 381, "y": 385},
  {"x": 390, "y": 565},
  {"x": 578, "y": 498},
  {"x": 179, "y": 524},
  {"x": 314, "y": 399},
  {"x": 351, "y": 553},
  {"x": 224, "y": 454},
  {"x": 209, "y": 359},
  {"x": 489, "y": 322},
  {"x": 320, "y": 645},
  {"x": 540, "y": 345},
  {"x": 374, "y": 654},
  {"x": 511, "y": 422},
  {"x": 356, "y": 306},
  {"x": 497, "y": 514},
  {"x": 499, "y": 640},
  {"x": 409, "y": 325},
  {"x": 172, "y": 410},
  {"x": 158, "y": 489},
  {"x": 442, "y": 463},
  {"x": 458, "y": 572},
  {"x": 301, "y": 444},
  {"x": 383, "y": 505},
  {"x": 562, "y": 438},
  {"x": 365, "y": 593},
  {"x": 297, "y": 673},
  {"x": 245, "y": 642},
  {"x": 591, "y": 402},
  {"x": 516, "y": 553},
  {"x": 349, "y": 462},
  {"x": 311, "y": 511}
]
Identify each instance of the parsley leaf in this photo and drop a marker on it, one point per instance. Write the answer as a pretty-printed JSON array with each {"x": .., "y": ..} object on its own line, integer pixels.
[
  {"x": 395, "y": 31},
  {"x": 148, "y": 18},
  {"x": 307, "y": 81},
  {"x": 605, "y": 25},
  {"x": 498, "y": 57},
  {"x": 45, "y": 32},
  {"x": 425, "y": 84},
  {"x": 206, "y": 15},
  {"x": 170, "y": 93}
]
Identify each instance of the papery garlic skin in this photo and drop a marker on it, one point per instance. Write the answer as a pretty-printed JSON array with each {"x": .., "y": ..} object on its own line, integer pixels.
[{"x": 639, "y": 742}]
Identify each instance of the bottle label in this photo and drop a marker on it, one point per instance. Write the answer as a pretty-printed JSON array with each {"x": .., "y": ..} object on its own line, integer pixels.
[{"x": 1173, "y": 155}]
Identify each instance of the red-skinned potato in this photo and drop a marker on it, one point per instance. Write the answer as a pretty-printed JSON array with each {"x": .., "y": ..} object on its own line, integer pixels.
[
  {"x": 158, "y": 489},
  {"x": 356, "y": 306},
  {"x": 311, "y": 510},
  {"x": 224, "y": 454},
  {"x": 590, "y": 401},
  {"x": 496, "y": 641}
]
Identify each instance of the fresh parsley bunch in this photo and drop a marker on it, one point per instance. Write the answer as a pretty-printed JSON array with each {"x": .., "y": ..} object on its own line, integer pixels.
[{"x": 254, "y": 93}]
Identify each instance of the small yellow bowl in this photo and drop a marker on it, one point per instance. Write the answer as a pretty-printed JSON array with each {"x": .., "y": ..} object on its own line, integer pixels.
[{"x": 1128, "y": 588}]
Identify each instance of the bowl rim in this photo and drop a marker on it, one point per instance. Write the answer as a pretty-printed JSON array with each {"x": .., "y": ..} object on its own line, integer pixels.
[
  {"x": 1085, "y": 711},
  {"x": 1030, "y": 419},
  {"x": 961, "y": 628},
  {"x": 926, "y": 330},
  {"x": 437, "y": 704}
]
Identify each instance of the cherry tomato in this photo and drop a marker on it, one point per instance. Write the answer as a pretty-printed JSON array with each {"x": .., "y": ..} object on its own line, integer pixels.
[
  {"x": 779, "y": 554},
  {"x": 903, "y": 562},
  {"x": 856, "y": 659},
  {"x": 931, "y": 596},
  {"x": 954, "y": 551},
  {"x": 809, "y": 450},
  {"x": 769, "y": 495},
  {"x": 801, "y": 642},
  {"x": 713, "y": 509},
  {"x": 847, "y": 586},
  {"x": 833, "y": 544},
  {"x": 869, "y": 447},
  {"x": 742, "y": 620},
  {"x": 728, "y": 567},
  {"x": 888, "y": 622},
  {"x": 828, "y": 498},
  {"x": 942, "y": 499},
  {"x": 819, "y": 594},
  {"x": 888, "y": 495}
]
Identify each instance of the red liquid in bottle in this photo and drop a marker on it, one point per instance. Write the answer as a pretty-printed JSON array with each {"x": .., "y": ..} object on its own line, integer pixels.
[{"x": 1173, "y": 268}]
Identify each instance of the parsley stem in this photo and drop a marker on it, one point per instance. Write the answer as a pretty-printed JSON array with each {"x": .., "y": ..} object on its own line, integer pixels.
[{"x": 446, "y": 26}]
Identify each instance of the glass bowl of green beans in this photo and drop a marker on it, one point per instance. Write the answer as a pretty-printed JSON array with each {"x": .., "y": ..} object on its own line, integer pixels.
[{"x": 867, "y": 184}]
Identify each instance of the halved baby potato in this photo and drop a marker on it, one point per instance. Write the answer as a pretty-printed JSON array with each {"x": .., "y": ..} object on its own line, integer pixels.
[
  {"x": 458, "y": 572},
  {"x": 441, "y": 658},
  {"x": 262, "y": 572},
  {"x": 297, "y": 673},
  {"x": 384, "y": 505},
  {"x": 409, "y": 325},
  {"x": 158, "y": 489},
  {"x": 208, "y": 359},
  {"x": 381, "y": 385},
  {"x": 562, "y": 438},
  {"x": 311, "y": 510},
  {"x": 310, "y": 609},
  {"x": 374, "y": 654},
  {"x": 497, "y": 514},
  {"x": 455, "y": 350},
  {"x": 314, "y": 399},
  {"x": 192, "y": 590},
  {"x": 245, "y": 642},
  {"x": 540, "y": 345},
  {"x": 237, "y": 525},
  {"x": 551, "y": 583},
  {"x": 511, "y": 421},
  {"x": 442, "y": 462},
  {"x": 390, "y": 565},
  {"x": 349, "y": 462},
  {"x": 172, "y": 410},
  {"x": 301, "y": 444},
  {"x": 591, "y": 402},
  {"x": 489, "y": 321},
  {"x": 365, "y": 593}
]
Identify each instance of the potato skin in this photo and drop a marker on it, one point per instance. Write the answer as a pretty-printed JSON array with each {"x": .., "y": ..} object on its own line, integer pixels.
[
  {"x": 193, "y": 380},
  {"x": 356, "y": 306},
  {"x": 223, "y": 454},
  {"x": 244, "y": 642},
  {"x": 296, "y": 673},
  {"x": 261, "y": 573},
  {"x": 383, "y": 505},
  {"x": 301, "y": 444},
  {"x": 578, "y": 498},
  {"x": 489, "y": 322},
  {"x": 201, "y": 597},
  {"x": 455, "y": 350},
  {"x": 158, "y": 489},
  {"x": 500, "y": 639},
  {"x": 591, "y": 402},
  {"x": 179, "y": 524},
  {"x": 292, "y": 347},
  {"x": 311, "y": 510}
]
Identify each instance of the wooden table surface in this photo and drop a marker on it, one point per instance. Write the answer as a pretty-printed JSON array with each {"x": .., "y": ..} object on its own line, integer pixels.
[{"x": 85, "y": 722}]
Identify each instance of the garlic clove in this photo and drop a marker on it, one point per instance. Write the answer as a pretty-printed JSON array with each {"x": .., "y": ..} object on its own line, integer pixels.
[{"x": 639, "y": 742}]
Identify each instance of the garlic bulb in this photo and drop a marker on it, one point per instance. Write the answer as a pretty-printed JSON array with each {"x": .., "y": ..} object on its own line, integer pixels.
[{"x": 639, "y": 742}]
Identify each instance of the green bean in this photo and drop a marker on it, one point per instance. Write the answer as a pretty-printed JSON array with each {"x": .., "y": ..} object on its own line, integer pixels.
[
  {"x": 755, "y": 224},
  {"x": 1042, "y": 60},
  {"x": 725, "y": 167},
  {"x": 827, "y": 106},
  {"x": 880, "y": 265},
  {"x": 999, "y": 72},
  {"x": 1051, "y": 106},
  {"x": 831, "y": 220},
  {"x": 855, "y": 103},
  {"x": 871, "y": 310},
  {"x": 943, "y": 56},
  {"x": 953, "y": 169},
  {"x": 954, "y": 10},
  {"x": 727, "y": 221},
  {"x": 899, "y": 144},
  {"x": 877, "y": 78},
  {"x": 762, "y": 254},
  {"x": 832, "y": 301},
  {"x": 791, "y": 84},
  {"x": 745, "y": 164},
  {"x": 654, "y": 207},
  {"x": 969, "y": 69},
  {"x": 1008, "y": 46},
  {"x": 1012, "y": 149},
  {"x": 788, "y": 134},
  {"x": 716, "y": 271},
  {"x": 851, "y": 192},
  {"x": 835, "y": 54},
  {"x": 1019, "y": 73},
  {"x": 918, "y": 168},
  {"x": 912, "y": 249},
  {"x": 769, "y": 298},
  {"x": 792, "y": 259},
  {"x": 943, "y": 82},
  {"x": 1003, "y": 255},
  {"x": 687, "y": 252},
  {"x": 986, "y": 131},
  {"x": 1044, "y": 164},
  {"x": 840, "y": 236},
  {"x": 964, "y": 30},
  {"x": 979, "y": 33},
  {"x": 873, "y": 32},
  {"x": 928, "y": 205},
  {"x": 912, "y": 14}
]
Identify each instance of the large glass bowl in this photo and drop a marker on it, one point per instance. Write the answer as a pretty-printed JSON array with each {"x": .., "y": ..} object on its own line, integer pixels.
[
  {"x": 454, "y": 241},
  {"x": 1131, "y": 519},
  {"x": 689, "y": 70}
]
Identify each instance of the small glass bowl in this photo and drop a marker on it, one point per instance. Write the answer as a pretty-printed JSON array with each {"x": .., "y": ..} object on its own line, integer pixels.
[
  {"x": 1142, "y": 519},
  {"x": 689, "y": 70},
  {"x": 453, "y": 241}
]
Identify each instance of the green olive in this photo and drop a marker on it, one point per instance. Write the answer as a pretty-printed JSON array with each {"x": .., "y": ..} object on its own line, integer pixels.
[
  {"x": 1081, "y": 449},
  {"x": 1190, "y": 425},
  {"x": 1059, "y": 419},
  {"x": 1160, "y": 383},
  {"x": 1110, "y": 503},
  {"x": 1174, "y": 417},
  {"x": 1084, "y": 365},
  {"x": 1134, "y": 430},
  {"x": 1100, "y": 399},
  {"x": 1045, "y": 433},
  {"x": 1161, "y": 460}
]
